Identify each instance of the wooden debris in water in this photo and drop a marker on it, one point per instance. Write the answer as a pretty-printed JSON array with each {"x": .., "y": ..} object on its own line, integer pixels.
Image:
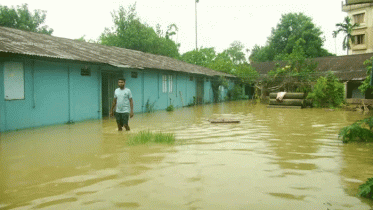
[{"x": 224, "y": 121}]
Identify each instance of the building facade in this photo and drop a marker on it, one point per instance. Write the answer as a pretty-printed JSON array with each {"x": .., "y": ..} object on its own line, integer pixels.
[
  {"x": 46, "y": 80},
  {"x": 361, "y": 12}
]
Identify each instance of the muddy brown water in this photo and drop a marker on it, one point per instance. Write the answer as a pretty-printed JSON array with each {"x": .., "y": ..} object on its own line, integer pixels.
[{"x": 273, "y": 159}]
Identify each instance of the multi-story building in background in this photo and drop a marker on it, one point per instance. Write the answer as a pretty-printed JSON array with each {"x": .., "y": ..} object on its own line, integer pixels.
[{"x": 361, "y": 12}]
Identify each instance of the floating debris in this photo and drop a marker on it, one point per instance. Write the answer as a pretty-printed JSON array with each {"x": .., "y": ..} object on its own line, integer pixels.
[{"x": 224, "y": 121}]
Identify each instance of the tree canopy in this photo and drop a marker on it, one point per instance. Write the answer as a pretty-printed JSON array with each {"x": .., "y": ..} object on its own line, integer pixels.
[
  {"x": 282, "y": 41},
  {"x": 232, "y": 61},
  {"x": 130, "y": 33},
  {"x": 22, "y": 18}
]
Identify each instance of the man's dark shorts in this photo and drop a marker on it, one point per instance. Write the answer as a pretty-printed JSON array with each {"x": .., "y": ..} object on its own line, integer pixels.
[{"x": 122, "y": 118}]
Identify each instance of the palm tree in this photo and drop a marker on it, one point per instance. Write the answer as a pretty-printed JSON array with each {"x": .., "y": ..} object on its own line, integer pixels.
[{"x": 346, "y": 27}]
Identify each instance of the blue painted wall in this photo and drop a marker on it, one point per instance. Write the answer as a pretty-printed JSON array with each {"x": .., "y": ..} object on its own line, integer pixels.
[
  {"x": 56, "y": 92},
  {"x": 2, "y": 101},
  {"x": 148, "y": 87}
]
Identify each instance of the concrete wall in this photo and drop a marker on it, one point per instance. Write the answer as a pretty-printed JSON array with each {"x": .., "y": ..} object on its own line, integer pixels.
[
  {"x": 365, "y": 28},
  {"x": 148, "y": 87},
  {"x": 54, "y": 93}
]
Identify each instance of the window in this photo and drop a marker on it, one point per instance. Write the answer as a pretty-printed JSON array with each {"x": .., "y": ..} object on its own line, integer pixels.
[
  {"x": 359, "y": 18},
  {"x": 359, "y": 39},
  {"x": 14, "y": 82},
  {"x": 164, "y": 82},
  {"x": 191, "y": 78},
  {"x": 167, "y": 83},
  {"x": 170, "y": 83},
  {"x": 85, "y": 71}
]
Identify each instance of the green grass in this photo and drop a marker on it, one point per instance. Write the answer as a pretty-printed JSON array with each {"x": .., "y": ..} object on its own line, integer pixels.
[{"x": 148, "y": 137}]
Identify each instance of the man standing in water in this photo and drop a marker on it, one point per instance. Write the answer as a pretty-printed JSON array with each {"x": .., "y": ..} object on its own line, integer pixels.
[{"x": 124, "y": 105}]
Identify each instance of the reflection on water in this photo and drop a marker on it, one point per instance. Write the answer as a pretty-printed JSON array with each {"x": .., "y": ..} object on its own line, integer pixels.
[{"x": 273, "y": 159}]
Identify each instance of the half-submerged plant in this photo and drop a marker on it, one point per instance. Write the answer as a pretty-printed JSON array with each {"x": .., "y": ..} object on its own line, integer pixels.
[
  {"x": 149, "y": 107},
  {"x": 366, "y": 189},
  {"x": 170, "y": 108},
  {"x": 360, "y": 131},
  {"x": 145, "y": 137}
]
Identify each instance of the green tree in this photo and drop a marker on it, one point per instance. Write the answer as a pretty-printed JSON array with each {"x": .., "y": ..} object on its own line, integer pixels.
[
  {"x": 296, "y": 76},
  {"x": 235, "y": 52},
  {"x": 346, "y": 27},
  {"x": 22, "y": 18},
  {"x": 128, "y": 32},
  {"x": 328, "y": 92},
  {"x": 283, "y": 39},
  {"x": 259, "y": 54},
  {"x": 365, "y": 85},
  {"x": 202, "y": 57}
]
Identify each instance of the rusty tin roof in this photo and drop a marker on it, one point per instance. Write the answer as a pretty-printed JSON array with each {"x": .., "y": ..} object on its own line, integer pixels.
[
  {"x": 29, "y": 43},
  {"x": 348, "y": 67}
]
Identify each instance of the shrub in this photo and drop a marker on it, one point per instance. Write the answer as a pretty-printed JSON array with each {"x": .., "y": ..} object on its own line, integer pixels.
[
  {"x": 328, "y": 92},
  {"x": 170, "y": 108},
  {"x": 361, "y": 131},
  {"x": 235, "y": 93},
  {"x": 366, "y": 189},
  {"x": 145, "y": 137}
]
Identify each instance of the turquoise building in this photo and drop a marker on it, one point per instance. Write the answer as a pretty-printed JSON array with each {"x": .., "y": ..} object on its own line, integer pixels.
[{"x": 47, "y": 80}]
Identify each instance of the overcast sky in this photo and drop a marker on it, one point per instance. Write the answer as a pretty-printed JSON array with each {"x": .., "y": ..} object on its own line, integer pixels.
[{"x": 219, "y": 22}]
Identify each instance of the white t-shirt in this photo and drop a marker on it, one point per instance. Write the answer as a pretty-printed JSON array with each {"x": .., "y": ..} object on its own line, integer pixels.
[{"x": 123, "y": 100}]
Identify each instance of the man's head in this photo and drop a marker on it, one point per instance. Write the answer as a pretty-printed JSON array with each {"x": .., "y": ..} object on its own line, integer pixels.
[{"x": 121, "y": 83}]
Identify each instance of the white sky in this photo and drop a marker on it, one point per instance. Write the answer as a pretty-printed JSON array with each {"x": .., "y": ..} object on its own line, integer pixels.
[{"x": 219, "y": 22}]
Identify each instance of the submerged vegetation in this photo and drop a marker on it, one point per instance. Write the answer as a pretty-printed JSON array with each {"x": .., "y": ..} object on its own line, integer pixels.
[
  {"x": 149, "y": 107},
  {"x": 170, "y": 108},
  {"x": 360, "y": 131},
  {"x": 148, "y": 137},
  {"x": 366, "y": 189},
  {"x": 328, "y": 92}
]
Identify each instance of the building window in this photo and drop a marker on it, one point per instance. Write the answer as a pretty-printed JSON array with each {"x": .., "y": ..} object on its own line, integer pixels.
[
  {"x": 170, "y": 79},
  {"x": 164, "y": 83},
  {"x": 85, "y": 71},
  {"x": 359, "y": 18},
  {"x": 14, "y": 81},
  {"x": 167, "y": 83},
  {"x": 359, "y": 39},
  {"x": 133, "y": 74},
  {"x": 191, "y": 78}
]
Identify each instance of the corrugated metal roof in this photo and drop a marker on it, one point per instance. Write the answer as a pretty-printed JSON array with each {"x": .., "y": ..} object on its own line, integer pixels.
[
  {"x": 35, "y": 44},
  {"x": 348, "y": 67}
]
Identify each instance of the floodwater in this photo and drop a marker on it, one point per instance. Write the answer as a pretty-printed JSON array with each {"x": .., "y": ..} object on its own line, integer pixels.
[{"x": 273, "y": 159}]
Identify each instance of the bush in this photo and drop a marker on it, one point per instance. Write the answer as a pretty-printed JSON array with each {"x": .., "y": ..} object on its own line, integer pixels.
[
  {"x": 328, "y": 92},
  {"x": 170, "y": 108},
  {"x": 235, "y": 93},
  {"x": 360, "y": 131},
  {"x": 366, "y": 189},
  {"x": 145, "y": 137}
]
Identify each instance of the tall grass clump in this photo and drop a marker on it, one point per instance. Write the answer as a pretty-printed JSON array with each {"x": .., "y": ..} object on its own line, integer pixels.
[
  {"x": 148, "y": 137},
  {"x": 360, "y": 131}
]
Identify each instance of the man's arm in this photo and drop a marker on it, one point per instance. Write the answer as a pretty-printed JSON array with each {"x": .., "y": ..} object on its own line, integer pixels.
[
  {"x": 113, "y": 106},
  {"x": 131, "y": 105}
]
